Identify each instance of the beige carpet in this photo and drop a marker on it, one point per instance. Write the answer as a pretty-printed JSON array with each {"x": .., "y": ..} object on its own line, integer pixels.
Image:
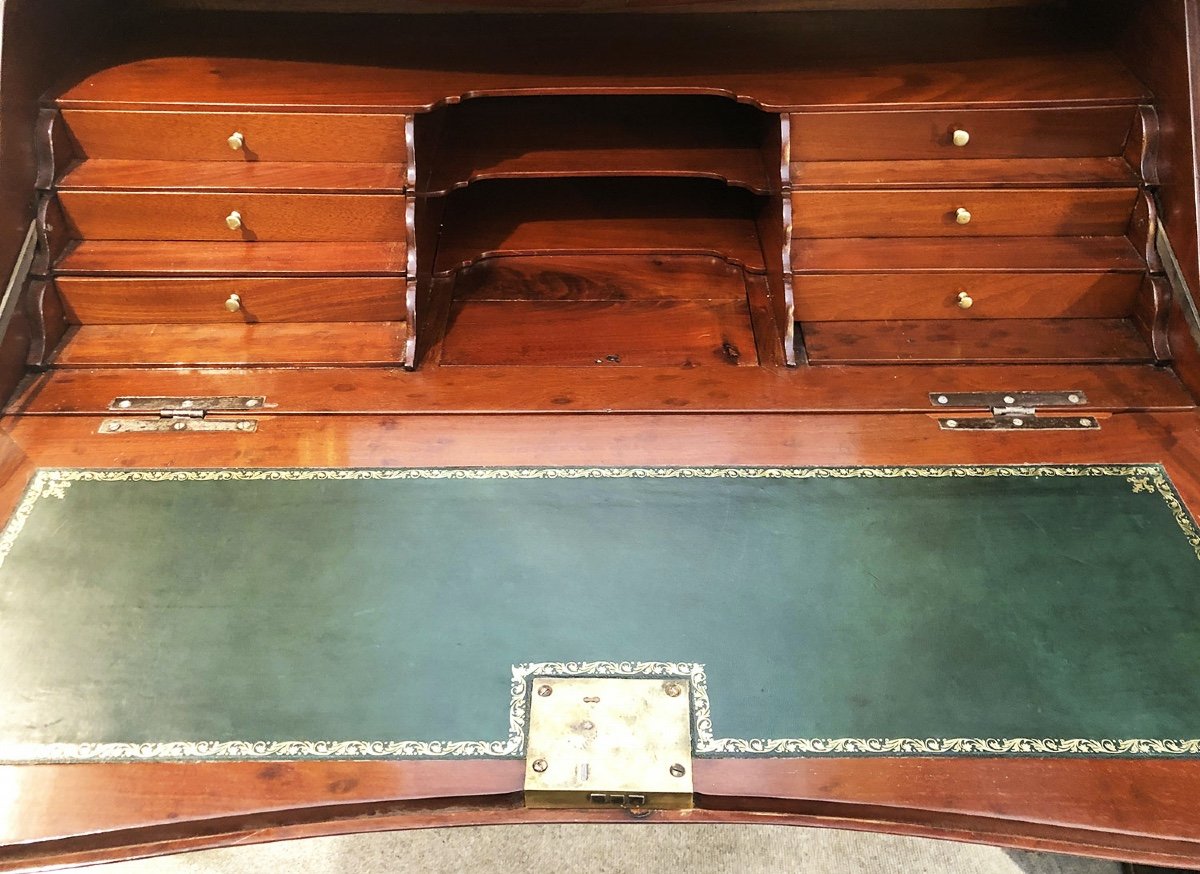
[{"x": 696, "y": 849}]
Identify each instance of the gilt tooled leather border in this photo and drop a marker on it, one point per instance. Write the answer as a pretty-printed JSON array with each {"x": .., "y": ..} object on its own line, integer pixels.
[{"x": 1143, "y": 478}]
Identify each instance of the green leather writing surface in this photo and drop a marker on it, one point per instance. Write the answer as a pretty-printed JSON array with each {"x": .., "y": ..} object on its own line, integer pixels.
[{"x": 164, "y": 614}]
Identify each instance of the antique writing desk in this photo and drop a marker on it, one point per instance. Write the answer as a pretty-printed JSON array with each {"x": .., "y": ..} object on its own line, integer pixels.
[{"x": 423, "y": 414}]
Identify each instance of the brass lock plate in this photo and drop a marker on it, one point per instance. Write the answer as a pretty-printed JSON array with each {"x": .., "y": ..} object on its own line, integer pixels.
[{"x": 609, "y": 742}]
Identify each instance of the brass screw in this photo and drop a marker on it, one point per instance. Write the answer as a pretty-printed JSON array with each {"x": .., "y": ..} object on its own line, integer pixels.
[
  {"x": 673, "y": 689},
  {"x": 544, "y": 691},
  {"x": 678, "y": 770},
  {"x": 540, "y": 765}
]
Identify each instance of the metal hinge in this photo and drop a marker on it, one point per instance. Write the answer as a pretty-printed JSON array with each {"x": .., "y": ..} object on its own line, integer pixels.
[
  {"x": 1014, "y": 411},
  {"x": 609, "y": 742},
  {"x": 181, "y": 414}
]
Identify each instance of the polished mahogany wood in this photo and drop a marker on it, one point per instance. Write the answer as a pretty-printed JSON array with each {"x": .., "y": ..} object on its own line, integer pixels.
[
  {"x": 829, "y": 388},
  {"x": 203, "y": 136},
  {"x": 592, "y": 217},
  {"x": 1001, "y": 254},
  {"x": 202, "y": 344},
  {"x": 108, "y": 215},
  {"x": 834, "y": 297},
  {"x": 117, "y": 175},
  {"x": 684, "y": 333},
  {"x": 928, "y": 135},
  {"x": 980, "y": 173},
  {"x": 852, "y": 794},
  {"x": 103, "y": 301},
  {"x": 952, "y": 60},
  {"x": 1069, "y": 212},
  {"x": 47, "y": 319},
  {"x": 133, "y": 258},
  {"x": 1025, "y": 340}
]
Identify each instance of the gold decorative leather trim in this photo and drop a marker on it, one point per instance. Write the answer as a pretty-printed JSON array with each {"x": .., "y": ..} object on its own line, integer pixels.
[{"x": 1143, "y": 478}]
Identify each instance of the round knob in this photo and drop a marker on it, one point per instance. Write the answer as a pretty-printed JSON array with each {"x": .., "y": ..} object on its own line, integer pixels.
[
  {"x": 234, "y": 220},
  {"x": 962, "y": 216},
  {"x": 237, "y": 140},
  {"x": 965, "y": 301},
  {"x": 234, "y": 303},
  {"x": 960, "y": 137}
]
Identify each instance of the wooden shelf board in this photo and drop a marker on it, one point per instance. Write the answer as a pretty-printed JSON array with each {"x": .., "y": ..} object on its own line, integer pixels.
[
  {"x": 199, "y": 345},
  {"x": 598, "y": 216},
  {"x": 684, "y": 333},
  {"x": 130, "y": 258},
  {"x": 933, "y": 254},
  {"x": 600, "y": 278},
  {"x": 582, "y": 136},
  {"x": 1014, "y": 340},
  {"x": 276, "y": 177}
]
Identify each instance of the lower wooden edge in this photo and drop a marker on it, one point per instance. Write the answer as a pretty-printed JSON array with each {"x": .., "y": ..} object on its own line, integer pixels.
[{"x": 507, "y": 809}]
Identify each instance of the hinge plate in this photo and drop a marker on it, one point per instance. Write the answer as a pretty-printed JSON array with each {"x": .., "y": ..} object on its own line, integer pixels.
[
  {"x": 992, "y": 399},
  {"x": 176, "y": 424},
  {"x": 1027, "y": 422},
  {"x": 1014, "y": 411},
  {"x": 609, "y": 742},
  {"x": 187, "y": 405}
]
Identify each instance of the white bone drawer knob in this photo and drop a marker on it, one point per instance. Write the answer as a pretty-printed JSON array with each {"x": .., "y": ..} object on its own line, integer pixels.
[
  {"x": 234, "y": 303},
  {"x": 965, "y": 301},
  {"x": 962, "y": 216},
  {"x": 234, "y": 220},
  {"x": 237, "y": 141},
  {"x": 960, "y": 137}
]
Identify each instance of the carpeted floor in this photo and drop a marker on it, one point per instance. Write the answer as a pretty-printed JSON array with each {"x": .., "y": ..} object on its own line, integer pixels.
[{"x": 697, "y": 849}]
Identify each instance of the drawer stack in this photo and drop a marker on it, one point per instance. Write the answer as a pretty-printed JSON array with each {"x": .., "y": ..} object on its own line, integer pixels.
[
  {"x": 214, "y": 238},
  {"x": 983, "y": 235}
]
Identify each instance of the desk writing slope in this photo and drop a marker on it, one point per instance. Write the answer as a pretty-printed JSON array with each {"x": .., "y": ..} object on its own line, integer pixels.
[{"x": 366, "y": 613}]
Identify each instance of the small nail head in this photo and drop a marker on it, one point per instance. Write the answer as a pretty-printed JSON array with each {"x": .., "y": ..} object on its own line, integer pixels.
[
  {"x": 1073, "y": 398},
  {"x": 942, "y": 399},
  {"x": 540, "y": 765},
  {"x": 951, "y": 423}
]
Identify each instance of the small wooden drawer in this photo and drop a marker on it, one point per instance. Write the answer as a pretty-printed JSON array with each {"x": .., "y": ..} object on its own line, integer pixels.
[
  {"x": 107, "y": 215},
  {"x": 214, "y": 136},
  {"x": 983, "y": 133},
  {"x": 1072, "y": 212},
  {"x": 96, "y": 301},
  {"x": 848, "y": 297}
]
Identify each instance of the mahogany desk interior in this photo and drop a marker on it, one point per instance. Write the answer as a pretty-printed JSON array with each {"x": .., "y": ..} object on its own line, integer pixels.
[{"x": 669, "y": 277}]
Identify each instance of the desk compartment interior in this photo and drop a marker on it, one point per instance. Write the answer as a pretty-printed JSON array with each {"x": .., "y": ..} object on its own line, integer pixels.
[{"x": 750, "y": 192}]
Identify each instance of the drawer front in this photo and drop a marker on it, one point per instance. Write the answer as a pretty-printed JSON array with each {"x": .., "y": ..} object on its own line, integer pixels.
[
  {"x": 883, "y": 296},
  {"x": 103, "y": 215},
  {"x": 93, "y": 301},
  {"x": 1032, "y": 213},
  {"x": 990, "y": 133},
  {"x": 266, "y": 136}
]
